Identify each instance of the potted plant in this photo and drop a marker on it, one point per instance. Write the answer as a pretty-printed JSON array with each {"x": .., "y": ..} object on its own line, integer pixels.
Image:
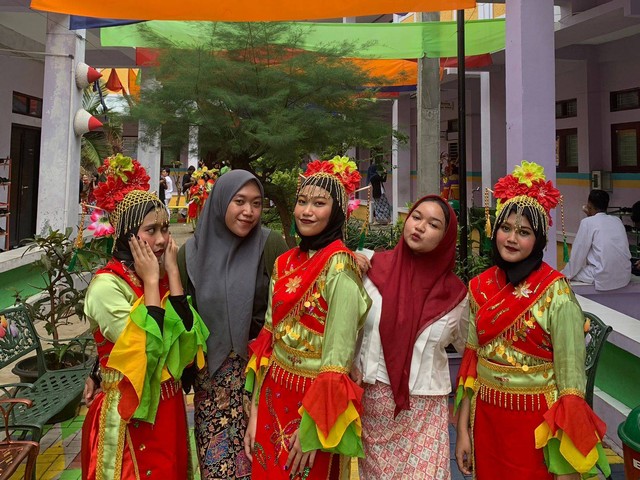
[{"x": 61, "y": 298}]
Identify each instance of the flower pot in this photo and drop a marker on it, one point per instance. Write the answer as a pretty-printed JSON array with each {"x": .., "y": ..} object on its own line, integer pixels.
[{"x": 27, "y": 368}]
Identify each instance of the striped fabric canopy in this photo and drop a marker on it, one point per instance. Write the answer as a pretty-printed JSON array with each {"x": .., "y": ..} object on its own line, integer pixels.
[{"x": 243, "y": 10}]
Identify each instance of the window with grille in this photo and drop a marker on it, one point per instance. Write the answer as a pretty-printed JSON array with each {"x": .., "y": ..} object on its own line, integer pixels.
[
  {"x": 624, "y": 147},
  {"x": 567, "y": 108},
  {"x": 567, "y": 150},
  {"x": 625, "y": 100}
]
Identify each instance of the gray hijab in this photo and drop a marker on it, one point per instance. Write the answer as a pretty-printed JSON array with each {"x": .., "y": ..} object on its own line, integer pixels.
[{"x": 223, "y": 269}]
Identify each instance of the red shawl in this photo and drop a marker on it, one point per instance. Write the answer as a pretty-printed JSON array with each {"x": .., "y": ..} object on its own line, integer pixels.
[
  {"x": 416, "y": 291},
  {"x": 491, "y": 288}
]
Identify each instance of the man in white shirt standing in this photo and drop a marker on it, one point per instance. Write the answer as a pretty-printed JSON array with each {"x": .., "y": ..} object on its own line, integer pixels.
[
  {"x": 169, "y": 190},
  {"x": 600, "y": 253}
]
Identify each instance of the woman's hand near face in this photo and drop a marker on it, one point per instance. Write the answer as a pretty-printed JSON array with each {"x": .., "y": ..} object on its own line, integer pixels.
[
  {"x": 148, "y": 269},
  {"x": 171, "y": 256},
  {"x": 170, "y": 262},
  {"x": 145, "y": 262}
]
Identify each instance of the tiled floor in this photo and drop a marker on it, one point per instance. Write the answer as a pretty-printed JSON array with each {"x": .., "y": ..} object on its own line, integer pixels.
[{"x": 59, "y": 457}]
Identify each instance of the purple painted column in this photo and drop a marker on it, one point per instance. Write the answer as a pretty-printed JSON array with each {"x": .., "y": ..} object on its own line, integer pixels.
[{"x": 530, "y": 92}]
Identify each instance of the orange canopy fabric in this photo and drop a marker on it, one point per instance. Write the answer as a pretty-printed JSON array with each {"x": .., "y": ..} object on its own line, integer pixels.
[
  {"x": 395, "y": 72},
  {"x": 243, "y": 10},
  {"x": 121, "y": 80}
]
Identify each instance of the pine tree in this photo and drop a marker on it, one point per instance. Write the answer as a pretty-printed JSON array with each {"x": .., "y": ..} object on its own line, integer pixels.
[{"x": 260, "y": 106}]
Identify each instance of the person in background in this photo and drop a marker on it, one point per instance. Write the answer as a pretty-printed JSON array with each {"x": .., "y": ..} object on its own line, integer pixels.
[
  {"x": 305, "y": 415},
  {"x": 419, "y": 307},
  {"x": 600, "y": 253},
  {"x": 226, "y": 268},
  {"x": 186, "y": 179},
  {"x": 168, "y": 192},
  {"x": 521, "y": 383},
  {"x": 162, "y": 188},
  {"x": 187, "y": 182},
  {"x": 381, "y": 206},
  {"x": 85, "y": 188},
  {"x": 95, "y": 179}
]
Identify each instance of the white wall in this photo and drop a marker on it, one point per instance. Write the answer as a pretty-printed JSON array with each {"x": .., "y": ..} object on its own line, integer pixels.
[{"x": 20, "y": 75}]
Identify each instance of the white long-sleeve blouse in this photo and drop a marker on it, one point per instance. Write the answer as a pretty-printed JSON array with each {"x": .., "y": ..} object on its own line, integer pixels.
[{"x": 429, "y": 373}]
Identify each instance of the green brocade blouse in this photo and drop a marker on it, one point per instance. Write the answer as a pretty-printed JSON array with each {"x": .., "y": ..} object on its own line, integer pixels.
[{"x": 560, "y": 316}]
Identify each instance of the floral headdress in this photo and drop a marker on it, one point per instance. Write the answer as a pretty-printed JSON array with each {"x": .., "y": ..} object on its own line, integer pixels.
[
  {"x": 526, "y": 187},
  {"x": 339, "y": 171},
  {"x": 120, "y": 199}
]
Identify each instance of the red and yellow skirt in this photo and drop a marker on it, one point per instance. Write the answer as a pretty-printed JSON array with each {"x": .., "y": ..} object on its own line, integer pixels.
[
  {"x": 112, "y": 448},
  {"x": 278, "y": 419}
]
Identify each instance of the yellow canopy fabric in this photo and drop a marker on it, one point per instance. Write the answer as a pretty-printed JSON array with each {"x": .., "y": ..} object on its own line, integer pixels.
[{"x": 243, "y": 10}]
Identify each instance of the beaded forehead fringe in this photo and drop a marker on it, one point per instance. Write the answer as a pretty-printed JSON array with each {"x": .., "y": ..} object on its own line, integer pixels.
[
  {"x": 540, "y": 222},
  {"x": 130, "y": 212},
  {"x": 329, "y": 183}
]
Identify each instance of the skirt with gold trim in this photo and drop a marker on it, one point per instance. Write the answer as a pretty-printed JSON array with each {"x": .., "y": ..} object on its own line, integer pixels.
[
  {"x": 503, "y": 423},
  {"x": 113, "y": 449},
  {"x": 278, "y": 419}
]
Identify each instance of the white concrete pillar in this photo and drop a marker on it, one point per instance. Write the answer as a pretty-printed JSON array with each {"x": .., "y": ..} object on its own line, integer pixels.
[
  {"x": 149, "y": 151},
  {"x": 530, "y": 91},
  {"x": 485, "y": 135},
  {"x": 193, "y": 156},
  {"x": 149, "y": 156},
  {"x": 401, "y": 155},
  {"x": 58, "y": 189},
  {"x": 428, "y": 104}
]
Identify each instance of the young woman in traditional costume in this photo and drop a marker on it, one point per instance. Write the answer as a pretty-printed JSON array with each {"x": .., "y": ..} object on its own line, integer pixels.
[
  {"x": 419, "y": 308},
  {"x": 522, "y": 378},
  {"x": 306, "y": 409},
  {"x": 226, "y": 268},
  {"x": 146, "y": 333}
]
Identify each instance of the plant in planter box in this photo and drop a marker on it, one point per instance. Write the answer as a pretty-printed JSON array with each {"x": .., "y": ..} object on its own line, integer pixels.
[{"x": 63, "y": 293}]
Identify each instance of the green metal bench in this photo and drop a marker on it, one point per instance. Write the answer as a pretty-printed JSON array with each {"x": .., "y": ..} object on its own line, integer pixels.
[
  {"x": 596, "y": 338},
  {"x": 54, "y": 390}
]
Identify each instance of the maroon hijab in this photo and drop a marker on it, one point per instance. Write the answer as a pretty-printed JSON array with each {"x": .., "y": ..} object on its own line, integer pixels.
[{"x": 416, "y": 291}]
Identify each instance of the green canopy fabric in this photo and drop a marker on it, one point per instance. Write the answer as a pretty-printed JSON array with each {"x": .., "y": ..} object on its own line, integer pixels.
[{"x": 373, "y": 40}]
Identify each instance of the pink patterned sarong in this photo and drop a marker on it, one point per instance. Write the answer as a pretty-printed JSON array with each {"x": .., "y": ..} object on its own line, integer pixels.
[{"x": 415, "y": 445}]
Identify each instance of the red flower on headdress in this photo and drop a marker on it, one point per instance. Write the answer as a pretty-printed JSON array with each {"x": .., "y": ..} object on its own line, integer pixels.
[
  {"x": 509, "y": 187},
  {"x": 344, "y": 169},
  {"x": 547, "y": 195},
  {"x": 318, "y": 166},
  {"x": 123, "y": 175},
  {"x": 109, "y": 193}
]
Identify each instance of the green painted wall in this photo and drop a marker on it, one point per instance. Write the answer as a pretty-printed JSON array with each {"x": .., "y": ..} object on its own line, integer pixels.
[
  {"x": 619, "y": 375},
  {"x": 26, "y": 279}
]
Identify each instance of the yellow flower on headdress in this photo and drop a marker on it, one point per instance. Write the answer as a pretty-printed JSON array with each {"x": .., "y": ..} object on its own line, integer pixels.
[
  {"x": 528, "y": 172},
  {"x": 343, "y": 164},
  {"x": 119, "y": 165}
]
